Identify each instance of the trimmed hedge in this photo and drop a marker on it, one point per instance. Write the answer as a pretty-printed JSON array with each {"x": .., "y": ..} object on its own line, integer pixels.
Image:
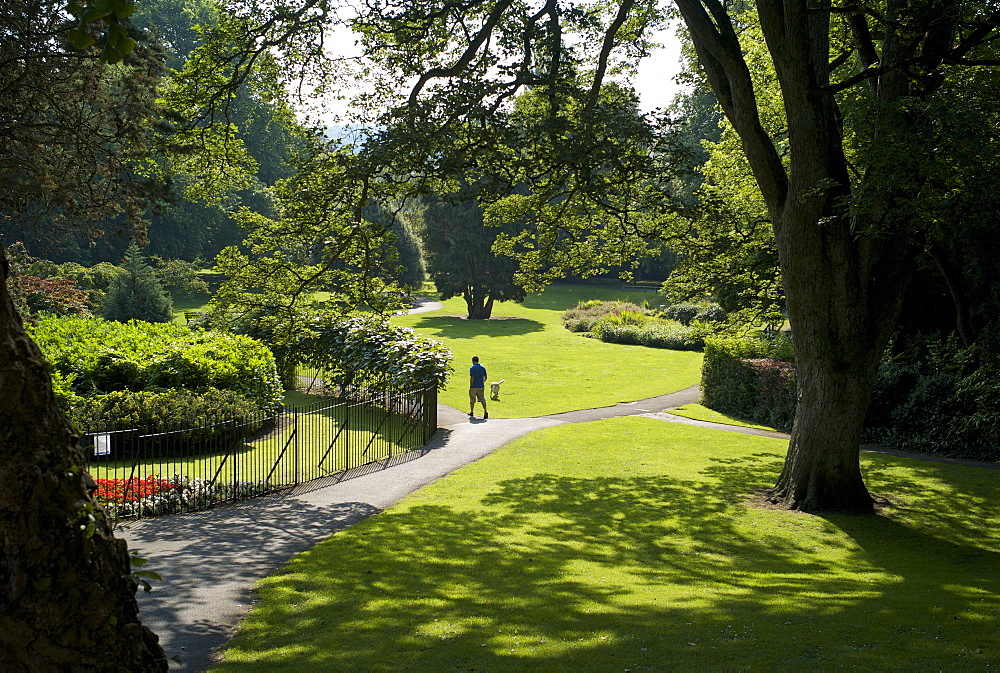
[
  {"x": 208, "y": 417},
  {"x": 157, "y": 378},
  {"x": 655, "y": 335},
  {"x": 751, "y": 377},
  {"x": 96, "y": 357}
]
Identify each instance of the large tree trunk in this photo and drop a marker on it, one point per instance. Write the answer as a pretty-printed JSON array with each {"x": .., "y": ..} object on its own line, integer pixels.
[
  {"x": 479, "y": 304},
  {"x": 844, "y": 278},
  {"x": 66, "y": 599}
]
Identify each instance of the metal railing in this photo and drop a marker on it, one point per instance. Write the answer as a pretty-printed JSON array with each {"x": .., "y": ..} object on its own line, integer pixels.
[{"x": 143, "y": 473}]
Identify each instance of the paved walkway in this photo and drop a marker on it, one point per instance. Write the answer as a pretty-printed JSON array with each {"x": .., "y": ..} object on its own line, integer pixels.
[{"x": 209, "y": 561}]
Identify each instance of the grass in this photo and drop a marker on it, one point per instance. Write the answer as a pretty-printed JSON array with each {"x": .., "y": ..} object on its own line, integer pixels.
[
  {"x": 188, "y": 304},
  {"x": 702, "y": 413},
  {"x": 547, "y": 369},
  {"x": 628, "y": 544}
]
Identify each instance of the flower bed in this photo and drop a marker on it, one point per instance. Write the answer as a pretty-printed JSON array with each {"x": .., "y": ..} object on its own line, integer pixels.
[{"x": 154, "y": 496}]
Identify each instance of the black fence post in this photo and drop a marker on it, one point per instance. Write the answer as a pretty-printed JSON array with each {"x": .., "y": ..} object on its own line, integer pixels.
[{"x": 430, "y": 412}]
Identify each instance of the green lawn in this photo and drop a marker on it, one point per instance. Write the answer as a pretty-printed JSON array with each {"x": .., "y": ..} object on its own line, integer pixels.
[
  {"x": 547, "y": 369},
  {"x": 703, "y": 413},
  {"x": 628, "y": 544}
]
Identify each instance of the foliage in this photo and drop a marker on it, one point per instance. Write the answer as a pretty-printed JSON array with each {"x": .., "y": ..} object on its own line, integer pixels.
[
  {"x": 316, "y": 242},
  {"x": 137, "y": 294},
  {"x": 586, "y": 313},
  {"x": 460, "y": 257},
  {"x": 360, "y": 349},
  {"x": 208, "y": 416},
  {"x": 180, "y": 278},
  {"x": 52, "y": 295},
  {"x": 402, "y": 255},
  {"x": 932, "y": 395},
  {"x": 619, "y": 318},
  {"x": 687, "y": 312},
  {"x": 96, "y": 357},
  {"x": 751, "y": 377},
  {"x": 75, "y": 133},
  {"x": 653, "y": 334}
]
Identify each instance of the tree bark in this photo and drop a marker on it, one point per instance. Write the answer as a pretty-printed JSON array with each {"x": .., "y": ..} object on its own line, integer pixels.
[
  {"x": 479, "y": 305},
  {"x": 843, "y": 277},
  {"x": 67, "y": 601}
]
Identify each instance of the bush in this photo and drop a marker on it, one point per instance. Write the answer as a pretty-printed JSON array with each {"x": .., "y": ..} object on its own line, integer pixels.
[
  {"x": 587, "y": 313},
  {"x": 683, "y": 312},
  {"x": 623, "y": 318},
  {"x": 93, "y": 357},
  {"x": 182, "y": 417},
  {"x": 933, "y": 396},
  {"x": 751, "y": 377},
  {"x": 688, "y": 312},
  {"x": 655, "y": 335}
]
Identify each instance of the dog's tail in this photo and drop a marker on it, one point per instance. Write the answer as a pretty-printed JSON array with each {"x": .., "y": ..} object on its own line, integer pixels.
[{"x": 501, "y": 380}]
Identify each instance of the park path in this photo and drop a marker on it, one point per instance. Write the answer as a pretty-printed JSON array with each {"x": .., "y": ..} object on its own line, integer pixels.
[{"x": 209, "y": 561}]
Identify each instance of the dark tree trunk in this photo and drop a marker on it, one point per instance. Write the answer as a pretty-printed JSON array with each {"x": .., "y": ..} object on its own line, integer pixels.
[
  {"x": 66, "y": 599},
  {"x": 479, "y": 304},
  {"x": 844, "y": 274}
]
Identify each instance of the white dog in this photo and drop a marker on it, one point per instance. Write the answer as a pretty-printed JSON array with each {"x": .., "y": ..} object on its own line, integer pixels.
[{"x": 495, "y": 389}]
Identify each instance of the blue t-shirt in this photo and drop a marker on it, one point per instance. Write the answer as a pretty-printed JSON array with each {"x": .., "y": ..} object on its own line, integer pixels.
[{"x": 478, "y": 374}]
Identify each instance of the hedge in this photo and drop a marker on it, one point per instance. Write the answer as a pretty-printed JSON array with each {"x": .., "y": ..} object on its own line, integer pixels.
[
  {"x": 158, "y": 378},
  {"x": 655, "y": 335},
  {"x": 220, "y": 416},
  {"x": 96, "y": 357},
  {"x": 751, "y": 377}
]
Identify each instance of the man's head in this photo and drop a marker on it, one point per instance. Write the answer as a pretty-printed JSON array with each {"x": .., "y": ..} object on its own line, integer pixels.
[{"x": 475, "y": 359}]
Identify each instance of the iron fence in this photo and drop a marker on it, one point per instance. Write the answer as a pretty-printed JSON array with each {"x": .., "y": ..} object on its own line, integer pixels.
[{"x": 144, "y": 472}]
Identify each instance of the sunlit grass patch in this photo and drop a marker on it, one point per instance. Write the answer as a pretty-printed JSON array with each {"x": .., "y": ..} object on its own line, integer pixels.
[
  {"x": 701, "y": 413},
  {"x": 629, "y": 544},
  {"x": 547, "y": 369}
]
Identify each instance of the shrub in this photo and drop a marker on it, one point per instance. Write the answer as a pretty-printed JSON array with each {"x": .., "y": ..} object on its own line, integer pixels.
[
  {"x": 683, "y": 312},
  {"x": 368, "y": 349},
  {"x": 585, "y": 315},
  {"x": 751, "y": 377},
  {"x": 654, "y": 335},
  {"x": 622, "y": 318},
  {"x": 96, "y": 357},
  {"x": 933, "y": 396},
  {"x": 688, "y": 312}
]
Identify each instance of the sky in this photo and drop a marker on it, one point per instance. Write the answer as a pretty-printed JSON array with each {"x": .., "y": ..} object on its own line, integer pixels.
[{"x": 654, "y": 81}]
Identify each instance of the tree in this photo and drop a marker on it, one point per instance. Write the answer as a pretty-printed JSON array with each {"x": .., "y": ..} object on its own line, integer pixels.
[
  {"x": 137, "y": 294},
  {"x": 72, "y": 136},
  {"x": 318, "y": 242},
  {"x": 841, "y": 214},
  {"x": 461, "y": 261},
  {"x": 857, "y": 97}
]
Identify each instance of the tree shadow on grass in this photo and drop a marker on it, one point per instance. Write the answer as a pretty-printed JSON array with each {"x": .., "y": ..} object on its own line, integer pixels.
[
  {"x": 554, "y": 572},
  {"x": 454, "y": 327}
]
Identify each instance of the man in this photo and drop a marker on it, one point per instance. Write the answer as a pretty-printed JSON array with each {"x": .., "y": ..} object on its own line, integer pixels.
[{"x": 477, "y": 385}]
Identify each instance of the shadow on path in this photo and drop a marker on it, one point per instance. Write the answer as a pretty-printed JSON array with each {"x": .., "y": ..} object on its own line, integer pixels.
[{"x": 209, "y": 561}]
